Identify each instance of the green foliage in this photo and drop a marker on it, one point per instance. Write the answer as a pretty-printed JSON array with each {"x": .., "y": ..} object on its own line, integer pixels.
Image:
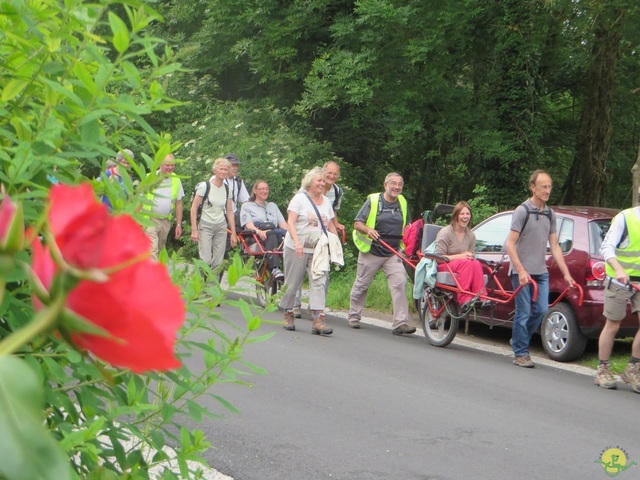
[
  {"x": 80, "y": 82},
  {"x": 451, "y": 94}
]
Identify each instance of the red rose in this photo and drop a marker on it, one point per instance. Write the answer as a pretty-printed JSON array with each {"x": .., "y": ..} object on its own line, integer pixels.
[
  {"x": 137, "y": 305},
  {"x": 85, "y": 233}
]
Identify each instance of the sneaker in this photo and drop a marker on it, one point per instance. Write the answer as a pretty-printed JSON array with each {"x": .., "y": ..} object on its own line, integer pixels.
[
  {"x": 604, "y": 377},
  {"x": 354, "y": 323},
  {"x": 523, "y": 361},
  {"x": 296, "y": 312},
  {"x": 289, "y": 323},
  {"x": 277, "y": 274},
  {"x": 404, "y": 329},
  {"x": 319, "y": 326},
  {"x": 466, "y": 307},
  {"x": 631, "y": 375}
]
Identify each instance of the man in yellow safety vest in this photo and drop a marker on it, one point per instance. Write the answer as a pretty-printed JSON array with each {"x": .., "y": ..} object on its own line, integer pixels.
[{"x": 383, "y": 216}]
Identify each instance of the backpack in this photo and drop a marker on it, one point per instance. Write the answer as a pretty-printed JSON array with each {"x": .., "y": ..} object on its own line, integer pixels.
[
  {"x": 337, "y": 190},
  {"x": 412, "y": 237},
  {"x": 547, "y": 213},
  {"x": 206, "y": 198}
]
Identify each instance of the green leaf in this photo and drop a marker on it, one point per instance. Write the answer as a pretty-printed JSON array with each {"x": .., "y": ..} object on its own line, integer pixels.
[
  {"x": 90, "y": 132},
  {"x": 83, "y": 74},
  {"x": 101, "y": 473},
  {"x": 13, "y": 88},
  {"x": 27, "y": 450},
  {"x": 120, "y": 33},
  {"x": 74, "y": 356}
]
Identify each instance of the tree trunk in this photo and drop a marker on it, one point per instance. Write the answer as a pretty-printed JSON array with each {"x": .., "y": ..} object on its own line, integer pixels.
[
  {"x": 635, "y": 189},
  {"x": 594, "y": 135}
]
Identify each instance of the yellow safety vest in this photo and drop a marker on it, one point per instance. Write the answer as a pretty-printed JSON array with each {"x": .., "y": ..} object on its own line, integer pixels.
[
  {"x": 629, "y": 256},
  {"x": 363, "y": 242},
  {"x": 175, "y": 191}
]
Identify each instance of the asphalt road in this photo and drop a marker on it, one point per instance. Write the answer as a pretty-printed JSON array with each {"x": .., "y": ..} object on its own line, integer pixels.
[{"x": 364, "y": 404}]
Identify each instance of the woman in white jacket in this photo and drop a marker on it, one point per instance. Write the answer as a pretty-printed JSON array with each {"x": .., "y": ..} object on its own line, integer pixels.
[{"x": 309, "y": 216}]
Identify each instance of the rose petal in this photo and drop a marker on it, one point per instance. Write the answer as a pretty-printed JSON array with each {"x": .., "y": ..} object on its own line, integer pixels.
[{"x": 141, "y": 308}]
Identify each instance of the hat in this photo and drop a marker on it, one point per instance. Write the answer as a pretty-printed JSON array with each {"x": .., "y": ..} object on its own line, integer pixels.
[
  {"x": 122, "y": 153},
  {"x": 233, "y": 158}
]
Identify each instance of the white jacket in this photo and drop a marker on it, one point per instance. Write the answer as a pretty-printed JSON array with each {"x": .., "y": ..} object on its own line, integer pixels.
[{"x": 321, "y": 259}]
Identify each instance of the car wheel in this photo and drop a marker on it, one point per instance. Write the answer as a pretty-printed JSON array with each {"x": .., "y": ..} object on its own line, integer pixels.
[{"x": 561, "y": 336}]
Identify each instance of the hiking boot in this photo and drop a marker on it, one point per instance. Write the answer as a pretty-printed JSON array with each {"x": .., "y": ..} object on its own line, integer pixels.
[
  {"x": 404, "y": 329},
  {"x": 523, "y": 361},
  {"x": 296, "y": 312},
  {"x": 277, "y": 274},
  {"x": 604, "y": 377},
  {"x": 354, "y": 323},
  {"x": 631, "y": 375},
  {"x": 289, "y": 323},
  {"x": 319, "y": 326}
]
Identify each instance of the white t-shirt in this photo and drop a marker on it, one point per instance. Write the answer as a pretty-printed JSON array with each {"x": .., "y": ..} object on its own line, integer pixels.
[
  {"x": 162, "y": 201},
  {"x": 239, "y": 192},
  {"x": 213, "y": 211},
  {"x": 307, "y": 226}
]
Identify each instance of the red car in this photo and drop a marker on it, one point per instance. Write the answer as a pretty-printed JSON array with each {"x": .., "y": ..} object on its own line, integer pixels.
[{"x": 567, "y": 326}]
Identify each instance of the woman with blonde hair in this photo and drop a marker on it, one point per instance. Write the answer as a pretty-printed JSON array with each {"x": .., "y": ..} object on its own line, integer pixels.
[
  {"x": 211, "y": 232},
  {"x": 310, "y": 214}
]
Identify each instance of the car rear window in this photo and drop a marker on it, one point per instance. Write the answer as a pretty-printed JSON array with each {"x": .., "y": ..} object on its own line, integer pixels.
[{"x": 597, "y": 231}]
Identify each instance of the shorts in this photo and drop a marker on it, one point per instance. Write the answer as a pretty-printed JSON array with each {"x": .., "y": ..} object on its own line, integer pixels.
[{"x": 615, "y": 300}]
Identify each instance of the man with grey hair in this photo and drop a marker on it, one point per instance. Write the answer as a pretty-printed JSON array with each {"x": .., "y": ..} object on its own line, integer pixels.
[
  {"x": 164, "y": 204},
  {"x": 238, "y": 189},
  {"x": 383, "y": 216}
]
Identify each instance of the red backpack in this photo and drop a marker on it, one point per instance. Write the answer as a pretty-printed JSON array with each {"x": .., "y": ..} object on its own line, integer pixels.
[{"x": 412, "y": 237}]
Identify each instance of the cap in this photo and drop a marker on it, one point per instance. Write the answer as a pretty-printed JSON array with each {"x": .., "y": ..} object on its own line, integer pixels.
[
  {"x": 122, "y": 153},
  {"x": 233, "y": 158}
]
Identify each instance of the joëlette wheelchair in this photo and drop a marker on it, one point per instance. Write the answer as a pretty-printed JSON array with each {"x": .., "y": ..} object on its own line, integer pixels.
[
  {"x": 438, "y": 307},
  {"x": 252, "y": 247}
]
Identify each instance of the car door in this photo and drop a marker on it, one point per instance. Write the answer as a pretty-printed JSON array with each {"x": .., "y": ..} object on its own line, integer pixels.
[{"x": 491, "y": 237}]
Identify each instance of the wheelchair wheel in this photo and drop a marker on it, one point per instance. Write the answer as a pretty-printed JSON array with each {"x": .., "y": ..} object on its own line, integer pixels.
[
  {"x": 439, "y": 330},
  {"x": 267, "y": 287}
]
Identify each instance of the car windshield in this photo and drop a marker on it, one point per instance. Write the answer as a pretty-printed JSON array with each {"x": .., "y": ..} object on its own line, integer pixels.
[{"x": 597, "y": 231}]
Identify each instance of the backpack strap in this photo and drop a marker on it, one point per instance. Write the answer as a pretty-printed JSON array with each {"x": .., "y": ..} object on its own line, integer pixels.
[
  {"x": 337, "y": 191},
  {"x": 530, "y": 212},
  {"x": 207, "y": 189}
]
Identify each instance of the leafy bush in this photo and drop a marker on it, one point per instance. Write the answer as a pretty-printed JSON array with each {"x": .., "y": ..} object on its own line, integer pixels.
[{"x": 80, "y": 81}]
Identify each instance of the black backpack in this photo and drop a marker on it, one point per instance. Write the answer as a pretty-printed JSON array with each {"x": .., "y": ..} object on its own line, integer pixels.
[
  {"x": 206, "y": 198},
  {"x": 545, "y": 213}
]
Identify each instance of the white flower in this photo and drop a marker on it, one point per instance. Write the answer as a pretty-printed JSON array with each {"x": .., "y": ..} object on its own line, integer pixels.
[{"x": 194, "y": 123}]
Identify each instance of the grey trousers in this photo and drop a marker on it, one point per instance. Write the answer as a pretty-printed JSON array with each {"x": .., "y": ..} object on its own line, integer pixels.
[
  {"x": 294, "y": 270},
  {"x": 368, "y": 266},
  {"x": 213, "y": 240}
]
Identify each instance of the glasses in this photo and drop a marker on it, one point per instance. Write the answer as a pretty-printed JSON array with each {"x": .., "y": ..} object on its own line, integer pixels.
[
  {"x": 395, "y": 184},
  {"x": 263, "y": 189}
]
